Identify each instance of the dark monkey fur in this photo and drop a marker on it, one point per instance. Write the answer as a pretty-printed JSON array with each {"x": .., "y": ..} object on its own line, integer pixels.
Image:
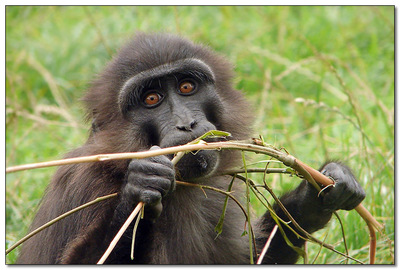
[{"x": 161, "y": 90}]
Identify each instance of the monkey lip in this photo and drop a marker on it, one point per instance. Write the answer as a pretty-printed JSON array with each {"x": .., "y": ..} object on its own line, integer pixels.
[
  {"x": 188, "y": 139},
  {"x": 198, "y": 164},
  {"x": 215, "y": 139},
  {"x": 202, "y": 158}
]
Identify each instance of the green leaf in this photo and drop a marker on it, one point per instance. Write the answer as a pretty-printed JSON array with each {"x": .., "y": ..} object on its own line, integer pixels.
[
  {"x": 214, "y": 134},
  {"x": 218, "y": 228}
]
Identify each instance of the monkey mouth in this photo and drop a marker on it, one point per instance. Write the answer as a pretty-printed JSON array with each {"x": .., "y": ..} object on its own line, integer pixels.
[
  {"x": 184, "y": 142},
  {"x": 195, "y": 164},
  {"x": 199, "y": 164},
  {"x": 170, "y": 141},
  {"x": 216, "y": 139}
]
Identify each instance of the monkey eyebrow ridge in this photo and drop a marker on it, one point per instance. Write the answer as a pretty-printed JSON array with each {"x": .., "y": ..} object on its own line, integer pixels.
[{"x": 190, "y": 66}]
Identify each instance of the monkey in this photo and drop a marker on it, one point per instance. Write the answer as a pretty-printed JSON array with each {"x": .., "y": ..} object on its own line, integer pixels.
[{"x": 163, "y": 90}]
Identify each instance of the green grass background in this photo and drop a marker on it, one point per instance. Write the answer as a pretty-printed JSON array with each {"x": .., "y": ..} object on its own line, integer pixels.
[{"x": 53, "y": 52}]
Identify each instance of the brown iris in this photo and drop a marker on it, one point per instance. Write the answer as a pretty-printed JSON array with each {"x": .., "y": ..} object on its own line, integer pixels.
[
  {"x": 152, "y": 99},
  {"x": 186, "y": 87}
]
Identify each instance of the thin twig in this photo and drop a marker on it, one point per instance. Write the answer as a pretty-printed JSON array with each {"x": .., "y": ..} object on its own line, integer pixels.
[
  {"x": 319, "y": 250},
  {"x": 267, "y": 244},
  {"x": 225, "y": 193},
  {"x": 259, "y": 170},
  {"x": 343, "y": 234},
  {"x": 220, "y": 224},
  {"x": 371, "y": 226},
  {"x": 238, "y": 145},
  {"x": 248, "y": 209},
  {"x": 53, "y": 221},
  {"x": 121, "y": 232},
  {"x": 217, "y": 190},
  {"x": 135, "y": 230}
]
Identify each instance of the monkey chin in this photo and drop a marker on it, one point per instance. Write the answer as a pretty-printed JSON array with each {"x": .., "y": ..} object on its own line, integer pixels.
[{"x": 197, "y": 165}]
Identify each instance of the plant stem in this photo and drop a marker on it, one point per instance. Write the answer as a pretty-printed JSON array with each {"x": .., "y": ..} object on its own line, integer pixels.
[
  {"x": 51, "y": 222},
  {"x": 121, "y": 232}
]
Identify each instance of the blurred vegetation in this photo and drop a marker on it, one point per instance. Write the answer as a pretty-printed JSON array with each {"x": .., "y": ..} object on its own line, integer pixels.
[{"x": 342, "y": 57}]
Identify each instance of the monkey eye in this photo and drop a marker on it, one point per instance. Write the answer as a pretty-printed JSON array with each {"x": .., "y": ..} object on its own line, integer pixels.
[
  {"x": 187, "y": 87},
  {"x": 152, "y": 99}
]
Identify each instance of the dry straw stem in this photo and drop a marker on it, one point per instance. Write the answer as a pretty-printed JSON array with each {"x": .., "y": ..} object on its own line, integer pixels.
[
  {"x": 121, "y": 232},
  {"x": 250, "y": 145},
  {"x": 238, "y": 145},
  {"x": 267, "y": 244}
]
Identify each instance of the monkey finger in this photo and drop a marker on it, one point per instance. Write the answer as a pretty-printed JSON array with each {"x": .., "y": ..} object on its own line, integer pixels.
[
  {"x": 138, "y": 193},
  {"x": 164, "y": 160},
  {"x": 354, "y": 200},
  {"x": 334, "y": 201},
  {"x": 146, "y": 167},
  {"x": 155, "y": 147},
  {"x": 153, "y": 211},
  {"x": 150, "y": 196},
  {"x": 159, "y": 184}
]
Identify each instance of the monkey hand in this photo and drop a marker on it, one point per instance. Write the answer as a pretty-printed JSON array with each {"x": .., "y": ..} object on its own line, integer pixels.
[
  {"x": 346, "y": 193},
  {"x": 149, "y": 180}
]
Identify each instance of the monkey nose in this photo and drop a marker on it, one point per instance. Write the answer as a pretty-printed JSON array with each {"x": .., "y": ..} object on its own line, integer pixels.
[{"x": 186, "y": 127}]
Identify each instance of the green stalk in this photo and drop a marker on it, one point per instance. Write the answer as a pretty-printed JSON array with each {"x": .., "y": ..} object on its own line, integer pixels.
[{"x": 248, "y": 209}]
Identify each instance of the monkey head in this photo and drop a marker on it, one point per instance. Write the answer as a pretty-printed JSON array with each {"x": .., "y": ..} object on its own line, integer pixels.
[{"x": 167, "y": 91}]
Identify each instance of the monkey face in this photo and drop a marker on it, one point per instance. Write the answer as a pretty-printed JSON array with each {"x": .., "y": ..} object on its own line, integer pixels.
[{"x": 174, "y": 104}]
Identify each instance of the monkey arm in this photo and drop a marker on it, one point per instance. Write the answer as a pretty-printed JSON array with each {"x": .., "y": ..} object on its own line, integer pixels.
[
  {"x": 88, "y": 228},
  {"x": 306, "y": 208},
  {"x": 77, "y": 237},
  {"x": 310, "y": 211}
]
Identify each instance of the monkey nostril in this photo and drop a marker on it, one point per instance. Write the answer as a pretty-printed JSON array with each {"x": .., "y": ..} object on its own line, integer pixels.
[
  {"x": 187, "y": 127},
  {"x": 193, "y": 124},
  {"x": 184, "y": 128}
]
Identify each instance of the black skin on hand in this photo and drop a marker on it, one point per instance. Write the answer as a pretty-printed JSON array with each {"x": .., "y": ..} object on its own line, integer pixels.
[
  {"x": 149, "y": 180},
  {"x": 347, "y": 193}
]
